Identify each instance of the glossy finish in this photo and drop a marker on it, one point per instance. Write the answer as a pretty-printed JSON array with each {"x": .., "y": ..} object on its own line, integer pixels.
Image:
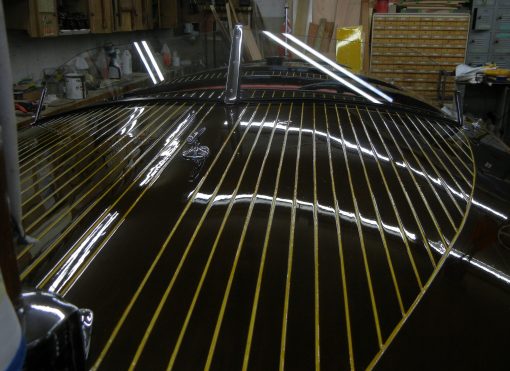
[{"x": 306, "y": 239}]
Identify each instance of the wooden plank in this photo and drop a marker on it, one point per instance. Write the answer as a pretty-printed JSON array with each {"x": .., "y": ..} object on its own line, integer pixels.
[
  {"x": 234, "y": 15},
  {"x": 252, "y": 48},
  {"x": 348, "y": 13},
  {"x": 229, "y": 19},
  {"x": 326, "y": 39},
  {"x": 365, "y": 23},
  {"x": 324, "y": 9},
  {"x": 301, "y": 20},
  {"x": 290, "y": 5},
  {"x": 320, "y": 33},
  {"x": 312, "y": 33}
]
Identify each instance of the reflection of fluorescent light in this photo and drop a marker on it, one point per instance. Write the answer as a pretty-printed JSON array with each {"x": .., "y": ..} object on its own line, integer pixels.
[
  {"x": 77, "y": 259},
  {"x": 482, "y": 265},
  {"x": 485, "y": 207},
  {"x": 166, "y": 153},
  {"x": 322, "y": 209},
  {"x": 319, "y": 67},
  {"x": 339, "y": 68},
  {"x": 153, "y": 61},
  {"x": 145, "y": 63}
]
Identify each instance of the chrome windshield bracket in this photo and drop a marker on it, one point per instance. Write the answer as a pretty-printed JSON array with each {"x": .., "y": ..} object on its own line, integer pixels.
[
  {"x": 459, "y": 108},
  {"x": 232, "y": 88},
  {"x": 40, "y": 105}
]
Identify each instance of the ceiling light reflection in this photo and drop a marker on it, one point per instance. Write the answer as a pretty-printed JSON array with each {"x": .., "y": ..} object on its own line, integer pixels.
[
  {"x": 482, "y": 265},
  {"x": 487, "y": 208},
  {"x": 303, "y": 205},
  {"x": 153, "y": 61},
  {"x": 166, "y": 153},
  {"x": 147, "y": 67},
  {"x": 77, "y": 259},
  {"x": 321, "y": 68},
  {"x": 339, "y": 68},
  {"x": 128, "y": 127}
]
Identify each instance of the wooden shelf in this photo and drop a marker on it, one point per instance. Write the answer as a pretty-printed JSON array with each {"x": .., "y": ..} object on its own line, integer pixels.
[
  {"x": 40, "y": 17},
  {"x": 137, "y": 80}
]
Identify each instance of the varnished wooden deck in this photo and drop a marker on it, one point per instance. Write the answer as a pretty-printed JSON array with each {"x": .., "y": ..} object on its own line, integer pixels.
[{"x": 310, "y": 236}]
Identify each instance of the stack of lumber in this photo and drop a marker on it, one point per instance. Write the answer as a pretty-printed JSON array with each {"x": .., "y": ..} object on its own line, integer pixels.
[{"x": 319, "y": 36}]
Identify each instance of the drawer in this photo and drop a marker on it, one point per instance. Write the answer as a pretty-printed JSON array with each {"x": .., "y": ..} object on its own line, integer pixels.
[
  {"x": 482, "y": 18},
  {"x": 479, "y": 42},
  {"x": 502, "y": 61},
  {"x": 502, "y": 20},
  {"x": 477, "y": 3},
  {"x": 501, "y": 42},
  {"x": 477, "y": 59}
]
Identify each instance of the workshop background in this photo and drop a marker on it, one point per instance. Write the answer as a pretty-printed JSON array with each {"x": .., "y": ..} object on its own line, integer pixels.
[
  {"x": 432, "y": 48},
  {"x": 425, "y": 46}
]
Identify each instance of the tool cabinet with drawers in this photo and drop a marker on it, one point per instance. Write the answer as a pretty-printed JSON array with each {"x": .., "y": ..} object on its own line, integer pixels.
[
  {"x": 489, "y": 36},
  {"x": 410, "y": 50}
]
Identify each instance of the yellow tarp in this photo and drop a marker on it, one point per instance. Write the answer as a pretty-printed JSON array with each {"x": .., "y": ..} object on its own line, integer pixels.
[{"x": 349, "y": 51}]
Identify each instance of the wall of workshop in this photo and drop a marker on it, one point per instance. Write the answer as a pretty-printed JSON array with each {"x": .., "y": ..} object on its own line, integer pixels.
[
  {"x": 273, "y": 12},
  {"x": 29, "y": 56}
]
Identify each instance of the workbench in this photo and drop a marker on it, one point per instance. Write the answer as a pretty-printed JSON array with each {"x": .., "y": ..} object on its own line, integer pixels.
[
  {"x": 489, "y": 99},
  {"x": 115, "y": 89}
]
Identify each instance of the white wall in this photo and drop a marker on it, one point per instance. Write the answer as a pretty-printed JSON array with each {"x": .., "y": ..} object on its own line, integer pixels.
[
  {"x": 271, "y": 8},
  {"x": 273, "y": 12}
]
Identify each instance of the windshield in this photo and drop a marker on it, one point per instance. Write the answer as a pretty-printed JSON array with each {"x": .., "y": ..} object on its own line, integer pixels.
[{"x": 112, "y": 71}]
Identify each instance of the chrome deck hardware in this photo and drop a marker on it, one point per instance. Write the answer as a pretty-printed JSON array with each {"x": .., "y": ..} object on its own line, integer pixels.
[
  {"x": 197, "y": 153},
  {"x": 234, "y": 64}
]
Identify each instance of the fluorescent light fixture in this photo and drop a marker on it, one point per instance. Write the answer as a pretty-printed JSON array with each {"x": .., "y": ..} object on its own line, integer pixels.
[
  {"x": 153, "y": 61},
  {"x": 321, "y": 68},
  {"x": 145, "y": 63},
  {"x": 339, "y": 68}
]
